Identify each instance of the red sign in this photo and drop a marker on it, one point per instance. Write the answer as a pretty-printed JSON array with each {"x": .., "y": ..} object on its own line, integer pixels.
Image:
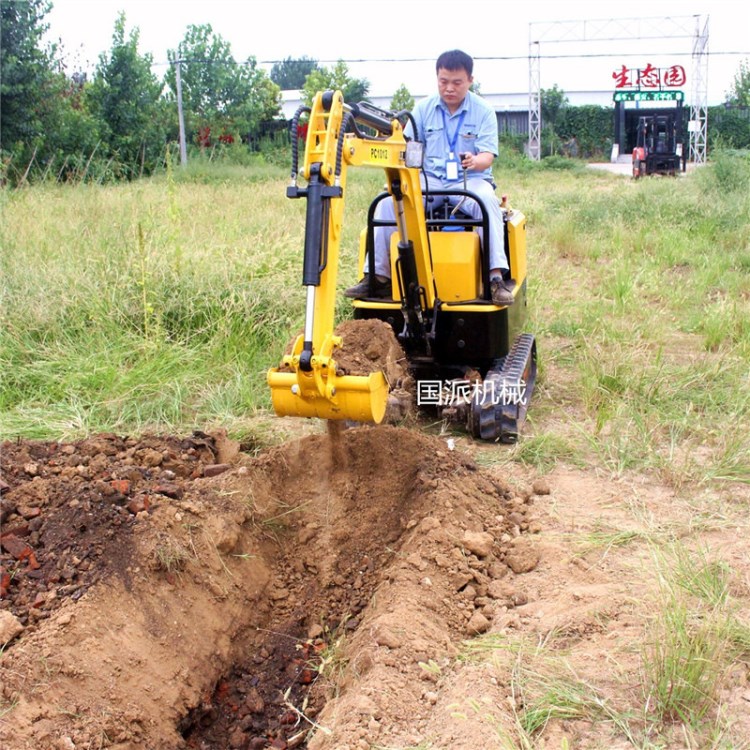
[
  {"x": 649, "y": 77},
  {"x": 675, "y": 76}
]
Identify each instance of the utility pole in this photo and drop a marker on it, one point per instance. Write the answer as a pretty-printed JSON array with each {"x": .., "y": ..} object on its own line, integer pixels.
[{"x": 180, "y": 114}]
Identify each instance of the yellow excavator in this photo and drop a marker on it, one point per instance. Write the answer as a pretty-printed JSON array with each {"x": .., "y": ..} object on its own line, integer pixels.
[{"x": 470, "y": 359}]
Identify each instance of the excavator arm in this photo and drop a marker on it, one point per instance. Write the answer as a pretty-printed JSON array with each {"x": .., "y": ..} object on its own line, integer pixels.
[{"x": 307, "y": 383}]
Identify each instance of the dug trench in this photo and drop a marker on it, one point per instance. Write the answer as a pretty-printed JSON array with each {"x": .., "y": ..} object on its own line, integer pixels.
[{"x": 178, "y": 593}]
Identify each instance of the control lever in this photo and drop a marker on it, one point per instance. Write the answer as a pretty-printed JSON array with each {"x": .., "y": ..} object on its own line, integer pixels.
[{"x": 458, "y": 205}]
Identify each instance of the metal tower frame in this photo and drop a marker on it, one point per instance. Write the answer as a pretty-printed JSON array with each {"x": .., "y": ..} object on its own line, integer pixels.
[
  {"x": 699, "y": 100},
  {"x": 623, "y": 29},
  {"x": 535, "y": 100}
]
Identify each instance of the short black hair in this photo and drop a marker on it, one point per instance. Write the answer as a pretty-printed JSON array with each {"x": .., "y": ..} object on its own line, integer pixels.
[{"x": 455, "y": 59}]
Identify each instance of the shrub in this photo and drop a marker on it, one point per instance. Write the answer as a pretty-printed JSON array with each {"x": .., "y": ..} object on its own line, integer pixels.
[{"x": 729, "y": 127}]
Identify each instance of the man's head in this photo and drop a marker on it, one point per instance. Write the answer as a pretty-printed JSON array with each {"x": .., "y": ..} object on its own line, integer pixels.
[
  {"x": 454, "y": 69},
  {"x": 454, "y": 60}
]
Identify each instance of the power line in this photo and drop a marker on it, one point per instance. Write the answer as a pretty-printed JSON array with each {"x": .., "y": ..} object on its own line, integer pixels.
[{"x": 496, "y": 58}]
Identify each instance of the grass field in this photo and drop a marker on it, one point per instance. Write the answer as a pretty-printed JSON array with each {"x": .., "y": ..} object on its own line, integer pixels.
[{"x": 158, "y": 305}]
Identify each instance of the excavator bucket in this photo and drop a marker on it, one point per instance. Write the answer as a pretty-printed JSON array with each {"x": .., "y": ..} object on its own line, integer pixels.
[
  {"x": 320, "y": 392},
  {"x": 360, "y": 398}
]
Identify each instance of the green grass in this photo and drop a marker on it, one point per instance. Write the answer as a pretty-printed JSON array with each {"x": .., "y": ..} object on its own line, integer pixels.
[
  {"x": 641, "y": 303},
  {"x": 543, "y": 688},
  {"x": 153, "y": 305},
  {"x": 690, "y": 643},
  {"x": 160, "y": 304}
]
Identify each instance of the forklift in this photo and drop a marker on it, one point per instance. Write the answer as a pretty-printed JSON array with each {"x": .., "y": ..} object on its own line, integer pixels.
[{"x": 657, "y": 149}]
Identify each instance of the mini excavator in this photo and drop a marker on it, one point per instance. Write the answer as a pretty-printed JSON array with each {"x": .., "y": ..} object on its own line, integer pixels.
[{"x": 470, "y": 358}]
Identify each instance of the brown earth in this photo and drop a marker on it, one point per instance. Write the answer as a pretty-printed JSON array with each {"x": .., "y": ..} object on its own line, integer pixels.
[
  {"x": 166, "y": 599},
  {"x": 367, "y": 588},
  {"x": 369, "y": 346}
]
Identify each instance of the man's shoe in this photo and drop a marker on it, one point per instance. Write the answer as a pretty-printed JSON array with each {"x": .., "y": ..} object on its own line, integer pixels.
[
  {"x": 502, "y": 292},
  {"x": 380, "y": 289}
]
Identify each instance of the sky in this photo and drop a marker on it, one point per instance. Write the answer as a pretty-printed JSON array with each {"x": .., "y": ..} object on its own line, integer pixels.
[{"x": 394, "y": 42}]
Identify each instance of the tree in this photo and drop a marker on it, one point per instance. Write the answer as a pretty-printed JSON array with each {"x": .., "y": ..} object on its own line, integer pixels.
[
  {"x": 552, "y": 102},
  {"x": 43, "y": 117},
  {"x": 323, "y": 79},
  {"x": 739, "y": 95},
  {"x": 73, "y": 134},
  {"x": 290, "y": 73},
  {"x": 26, "y": 73},
  {"x": 402, "y": 99},
  {"x": 125, "y": 97},
  {"x": 217, "y": 92}
]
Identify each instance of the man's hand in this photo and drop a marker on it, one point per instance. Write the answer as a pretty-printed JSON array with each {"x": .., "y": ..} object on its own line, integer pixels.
[{"x": 476, "y": 162}]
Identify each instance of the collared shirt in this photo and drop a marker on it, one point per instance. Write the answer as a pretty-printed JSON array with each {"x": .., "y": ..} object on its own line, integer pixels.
[{"x": 477, "y": 134}]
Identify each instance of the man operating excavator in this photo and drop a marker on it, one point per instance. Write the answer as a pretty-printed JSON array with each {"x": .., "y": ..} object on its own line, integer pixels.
[{"x": 459, "y": 131}]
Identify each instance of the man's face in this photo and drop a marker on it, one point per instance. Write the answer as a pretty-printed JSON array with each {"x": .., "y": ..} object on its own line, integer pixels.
[{"x": 453, "y": 85}]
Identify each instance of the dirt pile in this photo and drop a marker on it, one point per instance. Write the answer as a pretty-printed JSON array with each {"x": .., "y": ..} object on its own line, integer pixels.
[
  {"x": 371, "y": 346},
  {"x": 166, "y": 597},
  {"x": 68, "y": 509}
]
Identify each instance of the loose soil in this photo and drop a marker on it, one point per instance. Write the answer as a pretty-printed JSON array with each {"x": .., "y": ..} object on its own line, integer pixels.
[
  {"x": 369, "y": 346},
  {"x": 166, "y": 598}
]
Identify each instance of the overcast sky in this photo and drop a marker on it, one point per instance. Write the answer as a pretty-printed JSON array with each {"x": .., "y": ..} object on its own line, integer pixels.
[{"x": 396, "y": 32}]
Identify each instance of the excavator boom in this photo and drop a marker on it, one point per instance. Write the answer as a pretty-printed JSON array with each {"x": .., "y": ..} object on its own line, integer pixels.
[{"x": 307, "y": 383}]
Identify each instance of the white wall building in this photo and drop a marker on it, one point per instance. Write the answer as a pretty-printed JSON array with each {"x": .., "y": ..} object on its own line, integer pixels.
[{"x": 513, "y": 102}]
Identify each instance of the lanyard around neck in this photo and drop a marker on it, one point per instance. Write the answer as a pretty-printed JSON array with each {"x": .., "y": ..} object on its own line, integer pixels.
[{"x": 452, "y": 140}]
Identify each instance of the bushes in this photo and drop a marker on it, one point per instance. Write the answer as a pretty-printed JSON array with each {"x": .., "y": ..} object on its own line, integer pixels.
[
  {"x": 730, "y": 173},
  {"x": 729, "y": 127},
  {"x": 591, "y": 126}
]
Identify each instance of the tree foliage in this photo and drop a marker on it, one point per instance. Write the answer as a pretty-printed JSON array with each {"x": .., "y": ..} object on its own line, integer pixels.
[
  {"x": 218, "y": 92},
  {"x": 402, "y": 99},
  {"x": 552, "y": 101},
  {"x": 73, "y": 131},
  {"x": 335, "y": 79},
  {"x": 729, "y": 127},
  {"x": 739, "y": 94},
  {"x": 290, "y": 73},
  {"x": 26, "y": 72},
  {"x": 44, "y": 120},
  {"x": 125, "y": 97}
]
